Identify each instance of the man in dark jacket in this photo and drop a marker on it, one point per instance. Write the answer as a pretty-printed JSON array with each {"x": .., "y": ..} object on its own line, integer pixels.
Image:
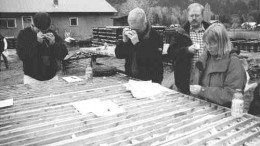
[
  {"x": 40, "y": 49},
  {"x": 141, "y": 48},
  {"x": 185, "y": 55},
  {"x": 181, "y": 59}
]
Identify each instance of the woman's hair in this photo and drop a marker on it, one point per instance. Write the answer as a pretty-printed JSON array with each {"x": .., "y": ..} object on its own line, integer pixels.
[{"x": 217, "y": 33}]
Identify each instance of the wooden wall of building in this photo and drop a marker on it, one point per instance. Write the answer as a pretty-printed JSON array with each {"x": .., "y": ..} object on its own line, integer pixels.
[{"x": 60, "y": 23}]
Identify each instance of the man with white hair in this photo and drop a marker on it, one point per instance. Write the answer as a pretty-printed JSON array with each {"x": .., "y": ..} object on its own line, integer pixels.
[{"x": 141, "y": 48}]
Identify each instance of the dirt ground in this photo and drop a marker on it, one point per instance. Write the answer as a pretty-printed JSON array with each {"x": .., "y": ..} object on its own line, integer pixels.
[{"x": 14, "y": 74}]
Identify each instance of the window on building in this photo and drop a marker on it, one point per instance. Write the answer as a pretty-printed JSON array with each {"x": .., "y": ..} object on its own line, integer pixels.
[
  {"x": 74, "y": 21},
  {"x": 55, "y": 2},
  {"x": 26, "y": 21},
  {"x": 7, "y": 23}
]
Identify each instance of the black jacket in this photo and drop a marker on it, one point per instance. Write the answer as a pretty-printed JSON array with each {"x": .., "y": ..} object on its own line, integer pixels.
[
  {"x": 186, "y": 26},
  {"x": 39, "y": 60},
  {"x": 181, "y": 58},
  {"x": 148, "y": 56},
  {"x": 2, "y": 45}
]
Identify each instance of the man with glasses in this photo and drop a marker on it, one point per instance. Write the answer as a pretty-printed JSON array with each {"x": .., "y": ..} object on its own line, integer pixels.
[
  {"x": 196, "y": 28},
  {"x": 141, "y": 48},
  {"x": 40, "y": 49},
  {"x": 184, "y": 65}
]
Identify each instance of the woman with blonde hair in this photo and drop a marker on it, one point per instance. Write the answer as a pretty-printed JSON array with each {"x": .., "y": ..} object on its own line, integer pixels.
[{"x": 220, "y": 73}]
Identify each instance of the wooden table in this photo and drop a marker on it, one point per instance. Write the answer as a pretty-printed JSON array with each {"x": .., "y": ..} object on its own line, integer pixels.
[
  {"x": 109, "y": 51},
  {"x": 44, "y": 115}
]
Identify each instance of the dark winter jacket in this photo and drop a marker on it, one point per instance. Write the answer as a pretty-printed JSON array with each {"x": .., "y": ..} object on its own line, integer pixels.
[
  {"x": 145, "y": 56},
  {"x": 39, "y": 60},
  {"x": 220, "y": 78},
  {"x": 2, "y": 45}
]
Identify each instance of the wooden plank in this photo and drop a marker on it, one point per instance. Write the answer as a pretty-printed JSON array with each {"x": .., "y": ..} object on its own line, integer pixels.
[
  {"x": 36, "y": 114},
  {"x": 80, "y": 128},
  {"x": 129, "y": 128},
  {"x": 157, "y": 127},
  {"x": 122, "y": 118},
  {"x": 256, "y": 144},
  {"x": 246, "y": 138},
  {"x": 134, "y": 106},
  {"x": 49, "y": 118},
  {"x": 235, "y": 134},
  {"x": 145, "y": 130},
  {"x": 59, "y": 99},
  {"x": 116, "y": 127},
  {"x": 202, "y": 136},
  {"x": 186, "y": 129}
]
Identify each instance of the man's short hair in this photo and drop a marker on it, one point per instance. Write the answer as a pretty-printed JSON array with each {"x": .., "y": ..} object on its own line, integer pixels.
[
  {"x": 42, "y": 20},
  {"x": 196, "y": 5},
  {"x": 138, "y": 13}
]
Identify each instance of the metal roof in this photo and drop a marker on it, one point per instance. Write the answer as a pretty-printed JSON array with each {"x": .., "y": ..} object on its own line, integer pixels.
[
  {"x": 32, "y": 6},
  {"x": 120, "y": 17}
]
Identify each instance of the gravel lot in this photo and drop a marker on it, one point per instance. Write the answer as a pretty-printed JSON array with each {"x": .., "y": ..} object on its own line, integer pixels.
[{"x": 14, "y": 75}]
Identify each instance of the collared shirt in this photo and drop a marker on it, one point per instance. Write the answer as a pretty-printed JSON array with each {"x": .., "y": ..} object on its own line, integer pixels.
[{"x": 196, "y": 37}]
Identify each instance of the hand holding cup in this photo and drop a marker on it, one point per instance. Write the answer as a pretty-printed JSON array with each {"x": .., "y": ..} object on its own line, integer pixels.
[
  {"x": 194, "y": 48},
  {"x": 40, "y": 37},
  {"x": 50, "y": 37},
  {"x": 133, "y": 36},
  {"x": 125, "y": 34},
  {"x": 195, "y": 89}
]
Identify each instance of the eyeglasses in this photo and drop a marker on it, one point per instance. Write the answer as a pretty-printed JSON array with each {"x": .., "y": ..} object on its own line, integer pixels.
[{"x": 195, "y": 15}]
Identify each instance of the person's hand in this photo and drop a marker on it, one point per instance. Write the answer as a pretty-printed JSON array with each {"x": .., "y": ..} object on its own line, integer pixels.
[
  {"x": 195, "y": 89},
  {"x": 194, "y": 48},
  {"x": 50, "y": 37},
  {"x": 125, "y": 37},
  {"x": 132, "y": 35},
  {"x": 40, "y": 37}
]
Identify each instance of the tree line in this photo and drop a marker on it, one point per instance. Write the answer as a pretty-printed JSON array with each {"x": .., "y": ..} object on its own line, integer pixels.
[{"x": 165, "y": 12}]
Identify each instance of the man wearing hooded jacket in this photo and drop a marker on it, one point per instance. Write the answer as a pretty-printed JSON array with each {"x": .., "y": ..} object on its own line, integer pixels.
[{"x": 40, "y": 49}]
